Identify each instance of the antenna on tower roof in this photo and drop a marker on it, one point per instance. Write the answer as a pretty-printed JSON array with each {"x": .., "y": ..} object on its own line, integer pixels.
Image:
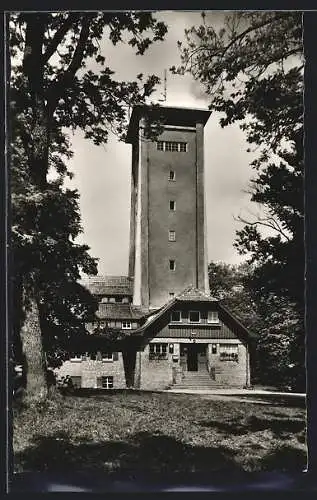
[{"x": 163, "y": 99}]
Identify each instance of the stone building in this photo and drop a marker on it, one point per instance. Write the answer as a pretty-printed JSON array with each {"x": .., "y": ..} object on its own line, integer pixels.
[{"x": 159, "y": 327}]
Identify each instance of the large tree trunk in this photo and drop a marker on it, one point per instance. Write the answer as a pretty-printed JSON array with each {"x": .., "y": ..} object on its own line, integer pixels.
[
  {"x": 32, "y": 347},
  {"x": 30, "y": 333}
]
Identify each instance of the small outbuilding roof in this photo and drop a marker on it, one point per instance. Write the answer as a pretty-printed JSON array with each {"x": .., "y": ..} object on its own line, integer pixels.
[
  {"x": 119, "y": 311},
  {"x": 109, "y": 285},
  {"x": 193, "y": 294}
]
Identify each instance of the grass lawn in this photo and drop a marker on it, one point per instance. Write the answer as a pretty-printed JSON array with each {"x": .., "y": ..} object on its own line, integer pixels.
[{"x": 135, "y": 432}]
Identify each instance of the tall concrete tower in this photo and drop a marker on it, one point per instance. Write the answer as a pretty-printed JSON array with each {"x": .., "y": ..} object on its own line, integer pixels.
[{"x": 168, "y": 223}]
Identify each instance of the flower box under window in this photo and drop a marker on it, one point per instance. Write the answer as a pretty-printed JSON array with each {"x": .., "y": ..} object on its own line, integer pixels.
[{"x": 229, "y": 356}]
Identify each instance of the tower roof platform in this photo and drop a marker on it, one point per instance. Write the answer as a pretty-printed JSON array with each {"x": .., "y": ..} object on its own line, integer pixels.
[{"x": 171, "y": 115}]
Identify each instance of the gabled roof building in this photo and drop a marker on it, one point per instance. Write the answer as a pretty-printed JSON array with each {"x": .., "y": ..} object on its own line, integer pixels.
[{"x": 159, "y": 327}]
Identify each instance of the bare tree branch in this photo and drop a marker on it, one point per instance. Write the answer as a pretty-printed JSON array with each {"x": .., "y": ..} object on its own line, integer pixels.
[
  {"x": 269, "y": 222},
  {"x": 59, "y": 36},
  {"x": 57, "y": 86}
]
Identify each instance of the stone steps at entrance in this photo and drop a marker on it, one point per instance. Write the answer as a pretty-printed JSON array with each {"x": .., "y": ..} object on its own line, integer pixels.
[{"x": 196, "y": 381}]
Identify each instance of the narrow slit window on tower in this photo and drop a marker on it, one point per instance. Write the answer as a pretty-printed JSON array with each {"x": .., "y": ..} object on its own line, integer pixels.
[
  {"x": 172, "y": 175},
  {"x": 172, "y": 205},
  {"x": 172, "y": 265},
  {"x": 171, "y": 236}
]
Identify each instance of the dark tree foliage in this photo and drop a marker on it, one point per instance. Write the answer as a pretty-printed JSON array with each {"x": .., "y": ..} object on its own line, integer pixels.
[
  {"x": 230, "y": 284},
  {"x": 273, "y": 324},
  {"x": 55, "y": 86},
  {"x": 252, "y": 70}
]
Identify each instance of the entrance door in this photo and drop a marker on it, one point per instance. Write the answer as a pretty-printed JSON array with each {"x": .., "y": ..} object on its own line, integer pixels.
[{"x": 192, "y": 358}]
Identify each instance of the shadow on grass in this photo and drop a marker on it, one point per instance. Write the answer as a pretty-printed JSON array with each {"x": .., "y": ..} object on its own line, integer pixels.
[
  {"x": 289, "y": 401},
  {"x": 142, "y": 454},
  {"x": 285, "y": 458},
  {"x": 282, "y": 428}
]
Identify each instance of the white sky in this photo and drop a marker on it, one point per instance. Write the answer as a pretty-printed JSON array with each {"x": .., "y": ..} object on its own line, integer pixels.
[{"x": 102, "y": 173}]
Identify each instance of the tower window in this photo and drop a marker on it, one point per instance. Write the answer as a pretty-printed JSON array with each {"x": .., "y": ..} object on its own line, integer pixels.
[
  {"x": 172, "y": 265},
  {"x": 178, "y": 147},
  {"x": 172, "y": 205},
  {"x": 171, "y": 236},
  {"x": 171, "y": 175},
  {"x": 171, "y": 294}
]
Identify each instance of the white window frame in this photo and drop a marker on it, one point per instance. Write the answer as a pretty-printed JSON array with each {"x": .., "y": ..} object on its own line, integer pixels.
[
  {"x": 126, "y": 325},
  {"x": 174, "y": 320},
  {"x": 172, "y": 146},
  {"x": 107, "y": 359},
  {"x": 171, "y": 235},
  {"x": 77, "y": 358},
  {"x": 213, "y": 317},
  {"x": 196, "y": 312},
  {"x": 109, "y": 381},
  {"x": 229, "y": 352},
  {"x": 229, "y": 348},
  {"x": 156, "y": 350}
]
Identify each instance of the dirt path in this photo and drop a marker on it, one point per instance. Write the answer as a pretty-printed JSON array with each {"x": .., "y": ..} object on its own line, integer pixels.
[{"x": 243, "y": 396}]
